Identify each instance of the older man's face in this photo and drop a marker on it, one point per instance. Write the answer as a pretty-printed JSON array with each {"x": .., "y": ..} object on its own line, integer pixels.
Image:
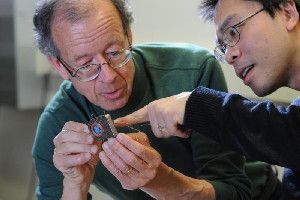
[
  {"x": 87, "y": 42},
  {"x": 262, "y": 55}
]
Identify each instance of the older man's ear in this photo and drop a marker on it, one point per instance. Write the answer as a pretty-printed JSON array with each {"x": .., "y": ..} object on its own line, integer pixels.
[{"x": 59, "y": 68}]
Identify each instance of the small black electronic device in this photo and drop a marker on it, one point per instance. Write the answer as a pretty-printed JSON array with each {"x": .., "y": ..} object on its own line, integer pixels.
[{"x": 102, "y": 127}]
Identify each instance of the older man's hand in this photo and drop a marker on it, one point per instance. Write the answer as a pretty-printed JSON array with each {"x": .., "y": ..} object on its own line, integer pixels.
[
  {"x": 76, "y": 154},
  {"x": 130, "y": 159}
]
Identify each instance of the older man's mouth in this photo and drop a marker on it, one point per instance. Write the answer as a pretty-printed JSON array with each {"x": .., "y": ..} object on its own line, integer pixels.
[{"x": 114, "y": 94}]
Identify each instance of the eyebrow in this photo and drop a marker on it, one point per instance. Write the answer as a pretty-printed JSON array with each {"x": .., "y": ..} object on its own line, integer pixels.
[
  {"x": 77, "y": 59},
  {"x": 224, "y": 26},
  {"x": 112, "y": 42},
  {"x": 226, "y": 22}
]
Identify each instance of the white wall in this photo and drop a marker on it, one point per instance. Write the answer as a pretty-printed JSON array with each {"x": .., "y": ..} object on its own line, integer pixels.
[
  {"x": 155, "y": 20},
  {"x": 177, "y": 21},
  {"x": 29, "y": 83}
]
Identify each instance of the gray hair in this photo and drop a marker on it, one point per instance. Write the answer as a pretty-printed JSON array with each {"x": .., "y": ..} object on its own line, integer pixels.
[
  {"x": 74, "y": 11},
  {"x": 207, "y": 7}
]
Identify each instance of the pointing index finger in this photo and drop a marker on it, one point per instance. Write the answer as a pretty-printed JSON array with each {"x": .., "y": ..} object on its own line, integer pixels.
[{"x": 136, "y": 117}]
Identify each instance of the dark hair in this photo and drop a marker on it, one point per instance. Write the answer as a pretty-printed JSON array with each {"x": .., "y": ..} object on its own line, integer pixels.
[
  {"x": 74, "y": 11},
  {"x": 207, "y": 7}
]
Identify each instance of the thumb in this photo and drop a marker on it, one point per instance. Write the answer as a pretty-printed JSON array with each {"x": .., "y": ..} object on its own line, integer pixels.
[{"x": 136, "y": 117}]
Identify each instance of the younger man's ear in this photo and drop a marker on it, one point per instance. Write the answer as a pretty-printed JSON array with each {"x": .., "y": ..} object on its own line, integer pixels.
[
  {"x": 58, "y": 67},
  {"x": 291, "y": 14}
]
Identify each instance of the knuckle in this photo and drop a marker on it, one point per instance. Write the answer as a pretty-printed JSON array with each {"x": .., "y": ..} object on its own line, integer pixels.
[
  {"x": 157, "y": 159},
  {"x": 68, "y": 124},
  {"x": 129, "y": 187},
  {"x": 54, "y": 158},
  {"x": 125, "y": 187},
  {"x": 79, "y": 159},
  {"x": 132, "y": 160},
  {"x": 56, "y": 163},
  {"x": 67, "y": 148},
  {"x": 151, "y": 174},
  {"x": 144, "y": 137},
  {"x": 58, "y": 138},
  {"x": 55, "y": 140},
  {"x": 114, "y": 146},
  {"x": 141, "y": 152},
  {"x": 153, "y": 105}
]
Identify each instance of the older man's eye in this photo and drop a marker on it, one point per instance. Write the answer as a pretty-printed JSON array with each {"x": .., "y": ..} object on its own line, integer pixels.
[
  {"x": 86, "y": 68},
  {"x": 113, "y": 54}
]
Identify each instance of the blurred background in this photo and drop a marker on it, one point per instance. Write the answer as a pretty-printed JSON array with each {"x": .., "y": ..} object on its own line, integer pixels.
[{"x": 27, "y": 81}]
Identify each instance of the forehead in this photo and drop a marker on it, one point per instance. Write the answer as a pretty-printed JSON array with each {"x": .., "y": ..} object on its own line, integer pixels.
[
  {"x": 97, "y": 29},
  {"x": 229, "y": 12},
  {"x": 88, "y": 12}
]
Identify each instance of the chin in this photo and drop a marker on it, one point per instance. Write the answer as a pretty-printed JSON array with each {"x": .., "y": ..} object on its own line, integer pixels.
[
  {"x": 111, "y": 108},
  {"x": 114, "y": 105},
  {"x": 262, "y": 92}
]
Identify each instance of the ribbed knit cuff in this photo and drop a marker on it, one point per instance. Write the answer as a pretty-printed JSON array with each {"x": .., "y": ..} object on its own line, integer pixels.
[{"x": 202, "y": 108}]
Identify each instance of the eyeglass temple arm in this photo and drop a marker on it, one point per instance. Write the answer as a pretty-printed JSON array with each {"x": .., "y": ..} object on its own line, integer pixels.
[{"x": 66, "y": 66}]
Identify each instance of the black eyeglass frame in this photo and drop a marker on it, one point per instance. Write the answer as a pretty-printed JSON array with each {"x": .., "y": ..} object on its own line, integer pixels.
[{"x": 220, "y": 49}]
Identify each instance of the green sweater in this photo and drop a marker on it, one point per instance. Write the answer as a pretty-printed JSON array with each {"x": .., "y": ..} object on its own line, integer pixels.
[{"x": 161, "y": 70}]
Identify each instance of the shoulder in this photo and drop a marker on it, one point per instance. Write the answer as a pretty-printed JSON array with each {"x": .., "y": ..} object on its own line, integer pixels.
[
  {"x": 66, "y": 95},
  {"x": 66, "y": 105},
  {"x": 166, "y": 47},
  {"x": 175, "y": 54},
  {"x": 171, "y": 48}
]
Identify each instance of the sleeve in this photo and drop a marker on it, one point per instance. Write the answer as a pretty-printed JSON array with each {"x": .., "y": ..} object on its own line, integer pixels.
[
  {"x": 224, "y": 169},
  {"x": 50, "y": 180},
  {"x": 261, "y": 131}
]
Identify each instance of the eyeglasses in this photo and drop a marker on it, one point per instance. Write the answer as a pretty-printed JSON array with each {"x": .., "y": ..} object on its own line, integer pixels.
[
  {"x": 115, "y": 59},
  {"x": 230, "y": 37}
]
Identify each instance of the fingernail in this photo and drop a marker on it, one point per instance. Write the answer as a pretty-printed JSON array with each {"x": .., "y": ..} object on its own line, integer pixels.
[
  {"x": 110, "y": 141},
  {"x": 104, "y": 145},
  {"x": 121, "y": 136},
  {"x": 101, "y": 155},
  {"x": 90, "y": 139},
  {"x": 86, "y": 129}
]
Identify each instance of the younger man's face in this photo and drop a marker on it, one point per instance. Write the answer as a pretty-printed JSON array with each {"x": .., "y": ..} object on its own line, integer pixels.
[{"x": 261, "y": 56}]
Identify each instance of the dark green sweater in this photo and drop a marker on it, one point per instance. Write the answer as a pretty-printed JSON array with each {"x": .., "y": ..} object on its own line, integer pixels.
[{"x": 161, "y": 70}]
